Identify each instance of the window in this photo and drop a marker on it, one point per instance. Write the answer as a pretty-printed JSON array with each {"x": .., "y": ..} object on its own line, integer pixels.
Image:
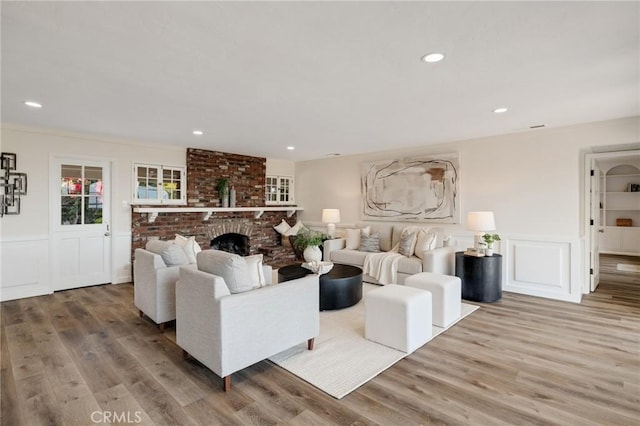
[
  {"x": 81, "y": 190},
  {"x": 154, "y": 184},
  {"x": 279, "y": 190}
]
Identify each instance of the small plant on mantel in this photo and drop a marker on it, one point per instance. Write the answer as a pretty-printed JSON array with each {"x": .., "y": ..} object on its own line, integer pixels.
[{"x": 223, "y": 186}]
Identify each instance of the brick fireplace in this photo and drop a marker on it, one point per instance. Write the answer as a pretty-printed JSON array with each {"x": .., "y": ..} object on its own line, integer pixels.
[{"x": 247, "y": 175}]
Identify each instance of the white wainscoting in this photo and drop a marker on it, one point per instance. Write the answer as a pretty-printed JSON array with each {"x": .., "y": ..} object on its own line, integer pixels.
[
  {"x": 25, "y": 268},
  {"x": 545, "y": 267},
  {"x": 26, "y": 265},
  {"x": 121, "y": 255}
]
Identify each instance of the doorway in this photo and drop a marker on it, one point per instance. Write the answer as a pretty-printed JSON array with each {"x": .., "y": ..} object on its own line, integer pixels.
[
  {"x": 80, "y": 225},
  {"x": 603, "y": 208}
]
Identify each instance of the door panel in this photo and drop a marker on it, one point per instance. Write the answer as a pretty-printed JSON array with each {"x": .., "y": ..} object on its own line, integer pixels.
[
  {"x": 595, "y": 228},
  {"x": 81, "y": 243}
]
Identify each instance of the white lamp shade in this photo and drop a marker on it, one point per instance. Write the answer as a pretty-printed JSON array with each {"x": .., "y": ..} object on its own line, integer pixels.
[
  {"x": 330, "y": 215},
  {"x": 481, "y": 221}
]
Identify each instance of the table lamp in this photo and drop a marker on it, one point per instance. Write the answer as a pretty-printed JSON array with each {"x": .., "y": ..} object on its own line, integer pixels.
[
  {"x": 481, "y": 222},
  {"x": 331, "y": 217}
]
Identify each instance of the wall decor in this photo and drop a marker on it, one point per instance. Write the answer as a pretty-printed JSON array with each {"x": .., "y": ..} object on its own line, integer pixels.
[
  {"x": 12, "y": 185},
  {"x": 423, "y": 188}
]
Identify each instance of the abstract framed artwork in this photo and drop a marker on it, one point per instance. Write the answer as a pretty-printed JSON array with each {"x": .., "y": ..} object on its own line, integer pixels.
[
  {"x": 12, "y": 185},
  {"x": 424, "y": 188}
]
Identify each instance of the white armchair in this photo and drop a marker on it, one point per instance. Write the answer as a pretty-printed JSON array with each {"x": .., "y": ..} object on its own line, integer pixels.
[
  {"x": 154, "y": 287},
  {"x": 228, "y": 332}
]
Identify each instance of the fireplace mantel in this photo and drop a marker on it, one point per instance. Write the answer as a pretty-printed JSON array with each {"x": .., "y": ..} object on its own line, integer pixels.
[{"x": 152, "y": 212}]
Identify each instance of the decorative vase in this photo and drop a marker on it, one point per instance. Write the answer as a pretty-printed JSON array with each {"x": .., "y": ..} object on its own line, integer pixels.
[
  {"x": 232, "y": 197},
  {"x": 489, "y": 250},
  {"x": 312, "y": 254},
  {"x": 225, "y": 199}
]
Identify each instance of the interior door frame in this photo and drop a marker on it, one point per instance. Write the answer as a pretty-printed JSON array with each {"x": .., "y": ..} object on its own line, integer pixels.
[
  {"x": 589, "y": 159},
  {"x": 54, "y": 178}
]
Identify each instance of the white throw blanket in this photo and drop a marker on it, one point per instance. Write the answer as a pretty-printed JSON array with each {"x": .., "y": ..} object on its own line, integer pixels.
[{"x": 383, "y": 266}]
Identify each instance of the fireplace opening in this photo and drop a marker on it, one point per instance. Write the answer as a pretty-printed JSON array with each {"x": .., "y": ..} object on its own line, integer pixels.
[{"x": 232, "y": 243}]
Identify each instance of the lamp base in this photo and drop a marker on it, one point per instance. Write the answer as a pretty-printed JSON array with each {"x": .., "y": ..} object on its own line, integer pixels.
[{"x": 331, "y": 229}]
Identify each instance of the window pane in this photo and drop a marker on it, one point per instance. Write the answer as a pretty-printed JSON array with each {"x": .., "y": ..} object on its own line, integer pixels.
[
  {"x": 93, "y": 180},
  {"x": 92, "y": 210},
  {"x": 70, "y": 210},
  {"x": 147, "y": 183},
  {"x": 70, "y": 179}
]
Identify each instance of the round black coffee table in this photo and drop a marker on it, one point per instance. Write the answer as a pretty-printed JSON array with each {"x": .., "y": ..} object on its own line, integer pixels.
[{"x": 340, "y": 288}]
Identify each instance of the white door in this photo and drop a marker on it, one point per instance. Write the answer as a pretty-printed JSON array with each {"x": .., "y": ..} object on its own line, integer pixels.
[
  {"x": 80, "y": 240},
  {"x": 595, "y": 226}
]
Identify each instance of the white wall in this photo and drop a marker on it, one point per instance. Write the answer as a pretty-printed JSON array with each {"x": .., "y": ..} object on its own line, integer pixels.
[
  {"x": 27, "y": 234},
  {"x": 24, "y": 239},
  {"x": 533, "y": 181}
]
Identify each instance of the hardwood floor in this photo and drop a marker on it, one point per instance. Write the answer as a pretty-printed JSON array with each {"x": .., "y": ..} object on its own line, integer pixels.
[{"x": 84, "y": 356}]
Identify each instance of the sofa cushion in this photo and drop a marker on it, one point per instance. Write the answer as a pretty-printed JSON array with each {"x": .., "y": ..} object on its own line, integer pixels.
[
  {"x": 349, "y": 257},
  {"x": 231, "y": 267},
  {"x": 171, "y": 254},
  {"x": 254, "y": 263},
  {"x": 426, "y": 241},
  {"x": 353, "y": 237},
  {"x": 189, "y": 245},
  {"x": 409, "y": 265},
  {"x": 370, "y": 243},
  {"x": 407, "y": 243}
]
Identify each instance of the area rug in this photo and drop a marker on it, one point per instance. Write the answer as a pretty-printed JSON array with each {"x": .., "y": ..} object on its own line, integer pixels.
[
  {"x": 343, "y": 359},
  {"x": 627, "y": 267}
]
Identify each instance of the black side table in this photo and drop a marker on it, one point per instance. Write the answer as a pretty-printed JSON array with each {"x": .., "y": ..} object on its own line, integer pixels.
[{"x": 481, "y": 277}]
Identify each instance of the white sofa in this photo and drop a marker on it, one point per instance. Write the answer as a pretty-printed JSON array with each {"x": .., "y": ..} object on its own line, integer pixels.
[
  {"x": 439, "y": 260},
  {"x": 230, "y": 331}
]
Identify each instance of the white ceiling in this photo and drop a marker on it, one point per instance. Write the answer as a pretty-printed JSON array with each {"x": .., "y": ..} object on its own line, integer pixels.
[{"x": 325, "y": 77}]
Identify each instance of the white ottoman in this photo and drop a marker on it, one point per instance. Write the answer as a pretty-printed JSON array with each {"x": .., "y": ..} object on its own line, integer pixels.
[
  {"x": 446, "y": 292},
  {"x": 398, "y": 316}
]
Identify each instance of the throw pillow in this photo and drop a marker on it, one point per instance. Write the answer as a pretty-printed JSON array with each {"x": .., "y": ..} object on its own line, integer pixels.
[
  {"x": 171, "y": 254},
  {"x": 353, "y": 239},
  {"x": 370, "y": 243},
  {"x": 426, "y": 241},
  {"x": 189, "y": 245},
  {"x": 231, "y": 267},
  {"x": 256, "y": 272},
  {"x": 407, "y": 243},
  {"x": 294, "y": 229},
  {"x": 282, "y": 227}
]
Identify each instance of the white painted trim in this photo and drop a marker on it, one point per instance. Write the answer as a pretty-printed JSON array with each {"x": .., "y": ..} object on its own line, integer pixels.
[
  {"x": 565, "y": 286},
  {"x": 25, "y": 268},
  {"x": 585, "y": 234}
]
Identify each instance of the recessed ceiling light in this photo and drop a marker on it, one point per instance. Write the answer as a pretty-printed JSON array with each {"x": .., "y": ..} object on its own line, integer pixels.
[
  {"x": 334, "y": 154},
  {"x": 500, "y": 110},
  {"x": 291, "y": 148},
  {"x": 33, "y": 104},
  {"x": 433, "y": 57},
  {"x": 198, "y": 132}
]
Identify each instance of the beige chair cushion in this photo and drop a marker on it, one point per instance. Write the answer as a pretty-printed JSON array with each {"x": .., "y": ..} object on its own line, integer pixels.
[
  {"x": 254, "y": 263},
  {"x": 189, "y": 245},
  {"x": 231, "y": 267},
  {"x": 172, "y": 254}
]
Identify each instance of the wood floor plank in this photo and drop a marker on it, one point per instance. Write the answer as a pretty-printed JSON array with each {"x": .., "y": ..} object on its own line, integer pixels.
[{"x": 521, "y": 360}]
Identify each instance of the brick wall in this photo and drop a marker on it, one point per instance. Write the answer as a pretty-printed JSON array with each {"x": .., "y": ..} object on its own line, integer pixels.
[{"x": 204, "y": 168}]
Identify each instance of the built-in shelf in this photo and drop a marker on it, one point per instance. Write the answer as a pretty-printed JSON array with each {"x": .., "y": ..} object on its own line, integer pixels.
[{"x": 153, "y": 212}]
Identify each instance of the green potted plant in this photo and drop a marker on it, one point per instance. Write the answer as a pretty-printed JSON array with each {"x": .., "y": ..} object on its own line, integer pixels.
[
  {"x": 489, "y": 239},
  {"x": 223, "y": 189},
  {"x": 309, "y": 241}
]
